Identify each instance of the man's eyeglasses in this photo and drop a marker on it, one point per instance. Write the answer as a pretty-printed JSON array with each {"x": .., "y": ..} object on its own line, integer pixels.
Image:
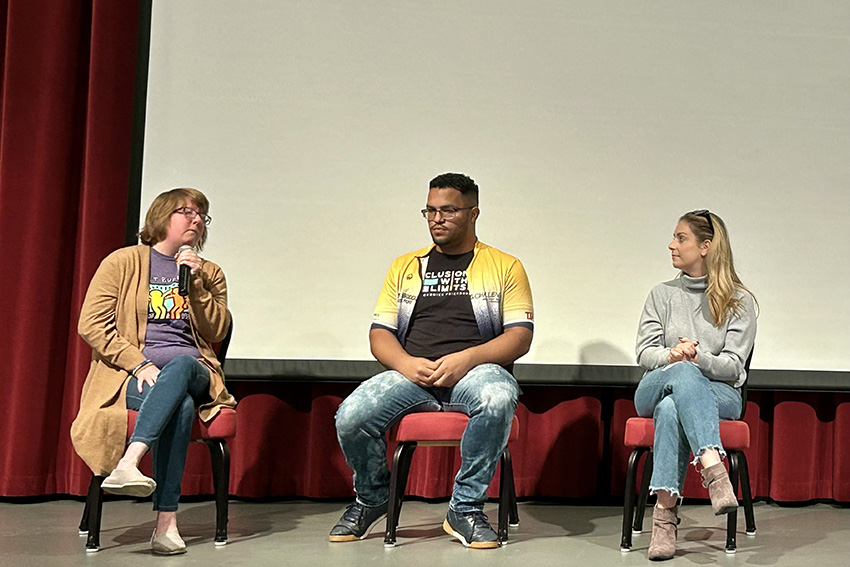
[
  {"x": 191, "y": 213},
  {"x": 447, "y": 213},
  {"x": 706, "y": 214}
]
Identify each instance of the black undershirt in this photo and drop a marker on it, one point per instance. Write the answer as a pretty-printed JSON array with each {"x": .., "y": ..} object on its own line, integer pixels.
[{"x": 443, "y": 321}]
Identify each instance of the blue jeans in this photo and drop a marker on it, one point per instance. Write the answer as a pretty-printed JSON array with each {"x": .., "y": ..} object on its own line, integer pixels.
[
  {"x": 487, "y": 394},
  {"x": 166, "y": 411},
  {"x": 686, "y": 408}
]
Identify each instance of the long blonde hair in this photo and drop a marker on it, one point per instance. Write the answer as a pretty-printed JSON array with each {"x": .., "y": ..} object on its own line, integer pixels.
[{"x": 723, "y": 281}]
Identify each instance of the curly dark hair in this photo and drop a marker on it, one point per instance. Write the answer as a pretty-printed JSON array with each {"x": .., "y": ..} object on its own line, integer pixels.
[{"x": 458, "y": 181}]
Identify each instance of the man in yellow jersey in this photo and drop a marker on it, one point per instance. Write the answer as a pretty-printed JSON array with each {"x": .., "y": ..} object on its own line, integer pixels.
[{"x": 450, "y": 321}]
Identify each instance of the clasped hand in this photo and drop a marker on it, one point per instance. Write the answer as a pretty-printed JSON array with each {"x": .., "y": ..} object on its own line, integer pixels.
[
  {"x": 444, "y": 372},
  {"x": 686, "y": 351}
]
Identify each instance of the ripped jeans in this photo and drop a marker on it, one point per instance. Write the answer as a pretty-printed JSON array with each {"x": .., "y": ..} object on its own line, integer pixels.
[
  {"x": 686, "y": 408},
  {"x": 487, "y": 394}
]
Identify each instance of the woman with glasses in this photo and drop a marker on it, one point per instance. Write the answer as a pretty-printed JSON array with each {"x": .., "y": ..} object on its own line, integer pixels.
[
  {"x": 151, "y": 352},
  {"x": 696, "y": 332}
]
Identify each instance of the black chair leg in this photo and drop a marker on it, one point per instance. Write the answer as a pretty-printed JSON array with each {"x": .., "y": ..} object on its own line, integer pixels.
[
  {"x": 747, "y": 494},
  {"x": 732, "y": 517},
  {"x": 398, "y": 483},
  {"x": 507, "y": 497},
  {"x": 513, "y": 517},
  {"x": 92, "y": 514},
  {"x": 640, "y": 511},
  {"x": 220, "y": 460},
  {"x": 629, "y": 498},
  {"x": 84, "y": 521}
]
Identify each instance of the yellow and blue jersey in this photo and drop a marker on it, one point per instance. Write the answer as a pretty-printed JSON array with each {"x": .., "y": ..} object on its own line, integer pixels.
[{"x": 498, "y": 290}]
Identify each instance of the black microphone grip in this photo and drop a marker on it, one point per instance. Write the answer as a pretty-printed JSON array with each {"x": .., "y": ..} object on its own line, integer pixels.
[{"x": 185, "y": 274}]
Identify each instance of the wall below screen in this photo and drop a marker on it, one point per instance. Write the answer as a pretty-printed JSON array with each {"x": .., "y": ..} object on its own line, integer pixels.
[{"x": 570, "y": 446}]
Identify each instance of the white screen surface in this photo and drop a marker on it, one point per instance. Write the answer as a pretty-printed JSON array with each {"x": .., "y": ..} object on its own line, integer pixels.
[{"x": 314, "y": 128}]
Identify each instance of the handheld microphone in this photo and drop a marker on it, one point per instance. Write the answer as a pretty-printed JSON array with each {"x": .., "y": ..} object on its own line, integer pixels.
[{"x": 185, "y": 274}]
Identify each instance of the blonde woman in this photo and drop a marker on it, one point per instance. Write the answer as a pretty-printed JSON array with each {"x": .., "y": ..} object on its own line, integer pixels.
[
  {"x": 696, "y": 332},
  {"x": 151, "y": 352}
]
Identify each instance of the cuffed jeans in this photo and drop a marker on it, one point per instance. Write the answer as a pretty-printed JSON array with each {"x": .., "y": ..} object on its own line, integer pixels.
[
  {"x": 164, "y": 423},
  {"x": 686, "y": 408},
  {"x": 487, "y": 394}
]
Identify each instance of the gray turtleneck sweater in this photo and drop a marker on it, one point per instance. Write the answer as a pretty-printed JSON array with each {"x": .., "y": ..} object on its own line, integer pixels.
[{"x": 679, "y": 308}]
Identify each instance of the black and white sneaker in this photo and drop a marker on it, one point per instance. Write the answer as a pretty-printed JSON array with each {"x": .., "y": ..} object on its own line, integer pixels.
[
  {"x": 472, "y": 529},
  {"x": 357, "y": 521}
]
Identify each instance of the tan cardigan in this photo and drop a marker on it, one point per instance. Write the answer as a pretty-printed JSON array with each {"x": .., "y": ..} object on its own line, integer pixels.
[{"x": 113, "y": 321}]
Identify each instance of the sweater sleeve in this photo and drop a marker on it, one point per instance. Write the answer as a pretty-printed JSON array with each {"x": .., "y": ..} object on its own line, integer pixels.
[
  {"x": 208, "y": 302},
  {"x": 728, "y": 364},
  {"x": 97, "y": 324},
  {"x": 650, "y": 349}
]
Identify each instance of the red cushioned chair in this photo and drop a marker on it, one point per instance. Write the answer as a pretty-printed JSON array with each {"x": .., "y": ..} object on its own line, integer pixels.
[
  {"x": 442, "y": 429},
  {"x": 214, "y": 434},
  {"x": 735, "y": 437}
]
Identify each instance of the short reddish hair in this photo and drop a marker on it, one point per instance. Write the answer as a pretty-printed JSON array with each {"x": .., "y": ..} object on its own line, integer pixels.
[{"x": 159, "y": 214}]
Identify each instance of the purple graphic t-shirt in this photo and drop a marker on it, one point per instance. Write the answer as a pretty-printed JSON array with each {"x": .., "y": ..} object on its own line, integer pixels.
[{"x": 169, "y": 333}]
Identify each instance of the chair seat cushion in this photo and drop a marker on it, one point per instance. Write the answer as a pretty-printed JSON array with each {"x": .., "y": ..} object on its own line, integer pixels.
[
  {"x": 443, "y": 426},
  {"x": 639, "y": 432},
  {"x": 222, "y": 426},
  {"x": 734, "y": 435}
]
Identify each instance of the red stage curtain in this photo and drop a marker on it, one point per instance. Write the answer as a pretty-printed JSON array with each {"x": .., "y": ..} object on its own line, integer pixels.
[
  {"x": 286, "y": 446},
  {"x": 815, "y": 465},
  {"x": 67, "y": 88}
]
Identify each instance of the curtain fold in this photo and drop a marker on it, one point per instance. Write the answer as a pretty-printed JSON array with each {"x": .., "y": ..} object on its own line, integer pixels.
[
  {"x": 570, "y": 445},
  {"x": 67, "y": 98}
]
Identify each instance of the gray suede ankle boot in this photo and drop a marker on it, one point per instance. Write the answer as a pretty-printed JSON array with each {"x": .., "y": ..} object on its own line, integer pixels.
[
  {"x": 716, "y": 480},
  {"x": 665, "y": 525}
]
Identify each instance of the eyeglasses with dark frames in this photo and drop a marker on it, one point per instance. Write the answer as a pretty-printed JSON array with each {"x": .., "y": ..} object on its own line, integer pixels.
[
  {"x": 706, "y": 214},
  {"x": 447, "y": 213},
  {"x": 191, "y": 213}
]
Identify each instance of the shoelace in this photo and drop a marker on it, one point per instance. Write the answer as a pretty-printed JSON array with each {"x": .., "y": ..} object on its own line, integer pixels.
[
  {"x": 479, "y": 519},
  {"x": 353, "y": 513}
]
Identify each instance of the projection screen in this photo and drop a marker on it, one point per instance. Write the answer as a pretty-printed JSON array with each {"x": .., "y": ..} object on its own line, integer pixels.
[{"x": 314, "y": 128}]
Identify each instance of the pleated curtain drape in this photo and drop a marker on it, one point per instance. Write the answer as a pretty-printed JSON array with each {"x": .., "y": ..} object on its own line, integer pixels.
[{"x": 67, "y": 105}]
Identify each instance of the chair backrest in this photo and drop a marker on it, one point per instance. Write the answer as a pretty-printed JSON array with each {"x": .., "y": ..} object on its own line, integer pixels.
[
  {"x": 744, "y": 387},
  {"x": 221, "y": 348}
]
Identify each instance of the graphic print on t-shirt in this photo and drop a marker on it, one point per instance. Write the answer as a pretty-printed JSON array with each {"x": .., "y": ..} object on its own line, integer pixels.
[
  {"x": 164, "y": 301},
  {"x": 169, "y": 330},
  {"x": 444, "y": 283},
  {"x": 442, "y": 321}
]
